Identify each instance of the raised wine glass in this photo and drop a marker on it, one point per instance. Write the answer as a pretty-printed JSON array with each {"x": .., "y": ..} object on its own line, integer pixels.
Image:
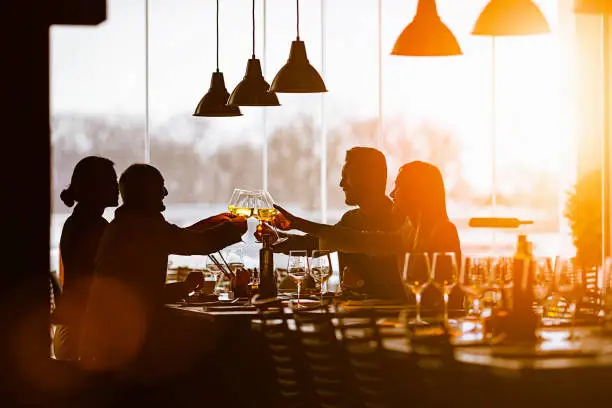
[
  {"x": 320, "y": 269},
  {"x": 416, "y": 276},
  {"x": 241, "y": 203},
  {"x": 445, "y": 276},
  {"x": 265, "y": 212},
  {"x": 297, "y": 269}
]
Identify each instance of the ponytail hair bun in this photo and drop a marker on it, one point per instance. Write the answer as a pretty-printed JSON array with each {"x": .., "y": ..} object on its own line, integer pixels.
[{"x": 67, "y": 197}]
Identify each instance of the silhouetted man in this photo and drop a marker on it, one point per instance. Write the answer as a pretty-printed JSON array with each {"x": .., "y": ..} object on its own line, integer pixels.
[
  {"x": 129, "y": 286},
  {"x": 364, "y": 180}
]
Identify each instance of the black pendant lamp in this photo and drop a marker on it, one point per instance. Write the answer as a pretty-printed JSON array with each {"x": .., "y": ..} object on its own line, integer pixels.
[
  {"x": 213, "y": 104},
  {"x": 507, "y": 18},
  {"x": 297, "y": 75},
  {"x": 426, "y": 35},
  {"x": 253, "y": 89}
]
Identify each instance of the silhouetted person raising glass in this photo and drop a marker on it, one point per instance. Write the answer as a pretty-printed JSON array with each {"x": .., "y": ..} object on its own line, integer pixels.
[
  {"x": 364, "y": 180},
  {"x": 129, "y": 289},
  {"x": 93, "y": 187},
  {"x": 419, "y": 198}
]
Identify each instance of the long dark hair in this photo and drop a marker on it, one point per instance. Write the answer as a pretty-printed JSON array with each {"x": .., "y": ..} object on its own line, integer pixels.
[
  {"x": 84, "y": 182},
  {"x": 425, "y": 183}
]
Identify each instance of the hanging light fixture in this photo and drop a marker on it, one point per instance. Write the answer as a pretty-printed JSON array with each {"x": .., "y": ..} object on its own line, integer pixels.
[
  {"x": 426, "y": 35},
  {"x": 505, "y": 18},
  {"x": 297, "y": 75},
  {"x": 213, "y": 104},
  {"x": 253, "y": 89}
]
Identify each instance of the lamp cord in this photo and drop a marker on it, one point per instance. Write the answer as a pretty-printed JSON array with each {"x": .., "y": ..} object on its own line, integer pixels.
[
  {"x": 253, "y": 29},
  {"x": 297, "y": 7},
  {"x": 217, "y": 35}
]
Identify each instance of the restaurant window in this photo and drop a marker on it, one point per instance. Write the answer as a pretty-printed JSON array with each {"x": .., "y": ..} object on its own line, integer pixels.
[
  {"x": 431, "y": 109},
  {"x": 97, "y": 99}
]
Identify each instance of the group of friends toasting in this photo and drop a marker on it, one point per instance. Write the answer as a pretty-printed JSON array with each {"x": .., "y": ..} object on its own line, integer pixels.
[{"x": 114, "y": 274}]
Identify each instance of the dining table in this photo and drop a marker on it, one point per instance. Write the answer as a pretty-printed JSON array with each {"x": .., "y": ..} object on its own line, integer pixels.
[{"x": 565, "y": 367}]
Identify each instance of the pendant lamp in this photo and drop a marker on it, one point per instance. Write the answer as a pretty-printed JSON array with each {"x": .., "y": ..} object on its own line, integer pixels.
[
  {"x": 505, "y": 18},
  {"x": 593, "y": 6},
  {"x": 297, "y": 75},
  {"x": 213, "y": 104},
  {"x": 426, "y": 35},
  {"x": 253, "y": 89}
]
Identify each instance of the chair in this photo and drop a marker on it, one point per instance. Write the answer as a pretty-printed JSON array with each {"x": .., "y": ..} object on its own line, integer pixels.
[
  {"x": 332, "y": 380},
  {"x": 287, "y": 358},
  {"x": 377, "y": 373}
]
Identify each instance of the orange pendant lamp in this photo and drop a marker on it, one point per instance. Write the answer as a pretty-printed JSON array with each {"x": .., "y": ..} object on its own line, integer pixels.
[
  {"x": 507, "y": 18},
  {"x": 426, "y": 35}
]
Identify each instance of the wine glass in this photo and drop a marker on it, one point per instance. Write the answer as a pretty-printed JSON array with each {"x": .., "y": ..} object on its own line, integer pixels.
[
  {"x": 416, "y": 276},
  {"x": 543, "y": 279},
  {"x": 502, "y": 278},
  {"x": 234, "y": 257},
  {"x": 265, "y": 212},
  {"x": 445, "y": 276},
  {"x": 241, "y": 203},
  {"x": 297, "y": 269},
  {"x": 320, "y": 268},
  {"x": 570, "y": 286},
  {"x": 475, "y": 280}
]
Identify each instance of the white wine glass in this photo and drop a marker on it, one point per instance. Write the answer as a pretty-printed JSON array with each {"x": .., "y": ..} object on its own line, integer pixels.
[
  {"x": 266, "y": 213},
  {"x": 445, "y": 276},
  {"x": 416, "y": 275},
  {"x": 241, "y": 203},
  {"x": 320, "y": 269},
  {"x": 297, "y": 269}
]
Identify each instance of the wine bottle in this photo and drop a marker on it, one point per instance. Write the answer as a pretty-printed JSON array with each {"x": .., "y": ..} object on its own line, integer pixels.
[
  {"x": 522, "y": 319},
  {"x": 267, "y": 280}
]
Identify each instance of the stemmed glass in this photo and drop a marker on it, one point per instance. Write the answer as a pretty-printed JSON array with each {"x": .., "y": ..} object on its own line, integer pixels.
[
  {"x": 416, "y": 276},
  {"x": 570, "y": 285},
  {"x": 475, "y": 280},
  {"x": 234, "y": 256},
  {"x": 320, "y": 268},
  {"x": 502, "y": 278},
  {"x": 297, "y": 269},
  {"x": 543, "y": 280},
  {"x": 445, "y": 276},
  {"x": 241, "y": 203},
  {"x": 265, "y": 212}
]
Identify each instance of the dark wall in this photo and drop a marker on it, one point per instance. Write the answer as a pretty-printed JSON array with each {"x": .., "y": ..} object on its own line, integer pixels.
[{"x": 25, "y": 165}]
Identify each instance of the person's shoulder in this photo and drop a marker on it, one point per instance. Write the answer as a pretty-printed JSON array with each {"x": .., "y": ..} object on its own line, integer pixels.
[{"x": 349, "y": 215}]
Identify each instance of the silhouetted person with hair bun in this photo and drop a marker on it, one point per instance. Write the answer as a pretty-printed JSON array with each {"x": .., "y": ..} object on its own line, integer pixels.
[{"x": 93, "y": 187}]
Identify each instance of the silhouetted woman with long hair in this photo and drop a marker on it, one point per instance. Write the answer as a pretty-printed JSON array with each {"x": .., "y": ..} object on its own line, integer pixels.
[
  {"x": 93, "y": 187},
  {"x": 419, "y": 196}
]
